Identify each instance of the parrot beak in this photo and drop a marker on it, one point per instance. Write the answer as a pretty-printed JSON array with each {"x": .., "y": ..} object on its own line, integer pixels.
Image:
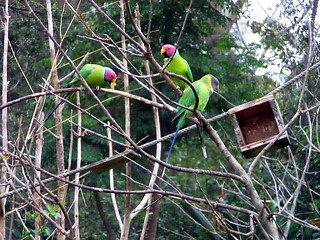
[
  {"x": 162, "y": 51},
  {"x": 217, "y": 88},
  {"x": 113, "y": 83}
]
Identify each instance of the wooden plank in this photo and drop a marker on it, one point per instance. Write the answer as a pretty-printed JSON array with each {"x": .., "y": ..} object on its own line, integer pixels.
[
  {"x": 254, "y": 149},
  {"x": 112, "y": 162}
]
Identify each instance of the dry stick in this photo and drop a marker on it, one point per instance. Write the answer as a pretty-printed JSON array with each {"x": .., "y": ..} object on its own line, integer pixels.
[
  {"x": 89, "y": 166},
  {"x": 20, "y": 67},
  {"x": 306, "y": 167},
  {"x": 299, "y": 221},
  {"x": 13, "y": 199},
  {"x": 116, "y": 26},
  {"x": 77, "y": 175},
  {"x": 38, "y": 157},
  {"x": 89, "y": 131},
  {"x": 147, "y": 52},
  {"x": 294, "y": 79},
  {"x": 184, "y": 22},
  {"x": 307, "y": 67},
  {"x": 150, "y": 191},
  {"x": 34, "y": 206},
  {"x": 33, "y": 185},
  {"x": 299, "y": 111},
  {"x": 107, "y": 90},
  {"x": 73, "y": 71},
  {"x": 148, "y": 197},
  {"x": 219, "y": 220},
  {"x": 301, "y": 182},
  {"x": 105, "y": 111},
  {"x": 266, "y": 148},
  {"x": 144, "y": 40},
  {"x": 150, "y": 20},
  {"x": 127, "y": 218},
  {"x": 138, "y": 98},
  {"x": 153, "y": 90},
  {"x": 59, "y": 127},
  {"x": 267, "y": 224},
  {"x": 111, "y": 180}
]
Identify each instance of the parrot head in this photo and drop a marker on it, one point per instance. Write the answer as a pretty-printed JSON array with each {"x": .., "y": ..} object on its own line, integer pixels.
[
  {"x": 168, "y": 50},
  {"x": 110, "y": 76},
  {"x": 214, "y": 83}
]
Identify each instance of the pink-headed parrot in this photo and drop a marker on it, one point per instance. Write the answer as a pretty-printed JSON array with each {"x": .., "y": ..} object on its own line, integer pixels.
[
  {"x": 204, "y": 88},
  {"x": 177, "y": 65},
  {"x": 94, "y": 75}
]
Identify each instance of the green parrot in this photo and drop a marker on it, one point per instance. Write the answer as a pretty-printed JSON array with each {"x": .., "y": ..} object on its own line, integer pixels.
[
  {"x": 94, "y": 75},
  {"x": 204, "y": 88},
  {"x": 177, "y": 65}
]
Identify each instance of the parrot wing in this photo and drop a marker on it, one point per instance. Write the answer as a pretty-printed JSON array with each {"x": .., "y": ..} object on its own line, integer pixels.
[
  {"x": 188, "y": 99},
  {"x": 189, "y": 72},
  {"x": 84, "y": 72},
  {"x": 204, "y": 95}
]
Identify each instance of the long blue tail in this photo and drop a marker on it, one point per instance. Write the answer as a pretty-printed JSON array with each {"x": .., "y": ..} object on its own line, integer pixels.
[
  {"x": 172, "y": 143},
  {"x": 171, "y": 147},
  {"x": 53, "y": 110}
]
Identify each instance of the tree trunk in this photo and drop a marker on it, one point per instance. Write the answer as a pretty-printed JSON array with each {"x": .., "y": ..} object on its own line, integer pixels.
[
  {"x": 4, "y": 117},
  {"x": 104, "y": 219},
  {"x": 127, "y": 218},
  {"x": 38, "y": 157},
  {"x": 59, "y": 128},
  {"x": 77, "y": 175},
  {"x": 268, "y": 226}
]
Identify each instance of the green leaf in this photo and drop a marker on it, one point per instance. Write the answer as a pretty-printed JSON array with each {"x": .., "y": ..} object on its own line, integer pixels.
[
  {"x": 33, "y": 215},
  {"x": 46, "y": 231}
]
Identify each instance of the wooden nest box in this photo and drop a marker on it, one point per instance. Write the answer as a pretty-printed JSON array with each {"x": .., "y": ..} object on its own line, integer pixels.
[{"x": 256, "y": 124}]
